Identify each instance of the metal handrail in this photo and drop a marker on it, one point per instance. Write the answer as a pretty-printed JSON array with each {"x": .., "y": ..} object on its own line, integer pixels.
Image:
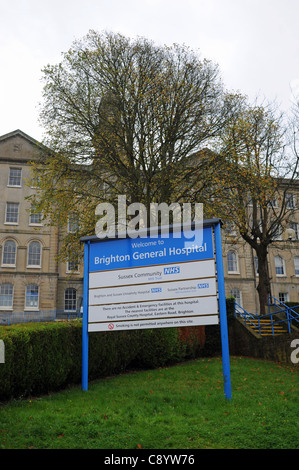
[
  {"x": 247, "y": 317},
  {"x": 291, "y": 315}
]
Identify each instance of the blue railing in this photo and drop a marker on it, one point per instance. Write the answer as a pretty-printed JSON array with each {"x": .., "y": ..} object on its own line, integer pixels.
[
  {"x": 254, "y": 320},
  {"x": 290, "y": 312},
  {"x": 251, "y": 319},
  {"x": 10, "y": 318}
]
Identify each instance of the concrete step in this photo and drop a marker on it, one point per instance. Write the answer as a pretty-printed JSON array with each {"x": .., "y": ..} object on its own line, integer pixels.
[{"x": 266, "y": 327}]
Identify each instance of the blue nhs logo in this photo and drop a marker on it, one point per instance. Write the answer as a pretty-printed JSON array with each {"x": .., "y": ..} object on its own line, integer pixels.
[{"x": 172, "y": 270}]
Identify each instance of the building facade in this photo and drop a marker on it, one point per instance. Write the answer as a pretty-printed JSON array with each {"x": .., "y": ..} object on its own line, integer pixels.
[
  {"x": 241, "y": 266},
  {"x": 32, "y": 279}
]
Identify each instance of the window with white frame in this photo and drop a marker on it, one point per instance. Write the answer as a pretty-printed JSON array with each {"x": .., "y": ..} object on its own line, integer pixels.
[
  {"x": 73, "y": 264},
  {"x": 278, "y": 233},
  {"x": 9, "y": 253},
  {"x": 236, "y": 293},
  {"x": 35, "y": 218},
  {"x": 34, "y": 254},
  {"x": 73, "y": 223},
  {"x": 12, "y": 213},
  {"x": 273, "y": 203},
  {"x": 32, "y": 295},
  {"x": 232, "y": 262},
  {"x": 15, "y": 177},
  {"x": 294, "y": 226},
  {"x": 279, "y": 266},
  {"x": 6, "y": 295},
  {"x": 70, "y": 299},
  {"x": 283, "y": 297},
  {"x": 290, "y": 201},
  {"x": 296, "y": 263}
]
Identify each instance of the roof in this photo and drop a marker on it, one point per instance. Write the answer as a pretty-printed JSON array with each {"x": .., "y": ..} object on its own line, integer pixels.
[{"x": 20, "y": 133}]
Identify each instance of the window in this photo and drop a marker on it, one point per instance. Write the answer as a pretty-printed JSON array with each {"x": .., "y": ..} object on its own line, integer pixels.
[
  {"x": 35, "y": 217},
  {"x": 290, "y": 201},
  {"x": 35, "y": 182},
  {"x": 296, "y": 263},
  {"x": 72, "y": 266},
  {"x": 72, "y": 263},
  {"x": 279, "y": 266},
  {"x": 12, "y": 213},
  {"x": 6, "y": 295},
  {"x": 283, "y": 297},
  {"x": 34, "y": 254},
  {"x": 273, "y": 203},
  {"x": 294, "y": 226},
  {"x": 70, "y": 299},
  {"x": 236, "y": 293},
  {"x": 278, "y": 233},
  {"x": 230, "y": 228},
  {"x": 232, "y": 262},
  {"x": 14, "y": 178},
  {"x": 73, "y": 223},
  {"x": 9, "y": 253},
  {"x": 31, "y": 296}
]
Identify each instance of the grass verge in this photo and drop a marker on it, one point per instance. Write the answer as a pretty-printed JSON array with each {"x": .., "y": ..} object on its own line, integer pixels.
[{"x": 178, "y": 407}]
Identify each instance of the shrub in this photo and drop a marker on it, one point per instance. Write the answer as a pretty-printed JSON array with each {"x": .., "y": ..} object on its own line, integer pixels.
[
  {"x": 110, "y": 353},
  {"x": 38, "y": 357},
  {"x": 159, "y": 347},
  {"x": 44, "y": 357}
]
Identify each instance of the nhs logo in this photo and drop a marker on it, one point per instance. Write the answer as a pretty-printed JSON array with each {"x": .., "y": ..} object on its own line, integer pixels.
[
  {"x": 172, "y": 270},
  {"x": 204, "y": 285},
  {"x": 156, "y": 289}
]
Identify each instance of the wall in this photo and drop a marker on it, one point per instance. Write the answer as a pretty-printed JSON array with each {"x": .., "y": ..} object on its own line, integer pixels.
[{"x": 243, "y": 342}]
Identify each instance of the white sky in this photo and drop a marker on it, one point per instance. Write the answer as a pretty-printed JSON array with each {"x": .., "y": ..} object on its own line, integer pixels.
[{"x": 255, "y": 43}]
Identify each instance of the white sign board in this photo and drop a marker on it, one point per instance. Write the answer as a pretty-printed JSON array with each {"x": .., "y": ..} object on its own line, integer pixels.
[
  {"x": 125, "y": 294},
  {"x": 154, "y": 283}
]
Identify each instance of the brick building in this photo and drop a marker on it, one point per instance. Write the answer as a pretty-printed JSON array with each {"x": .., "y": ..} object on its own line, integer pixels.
[{"x": 241, "y": 267}]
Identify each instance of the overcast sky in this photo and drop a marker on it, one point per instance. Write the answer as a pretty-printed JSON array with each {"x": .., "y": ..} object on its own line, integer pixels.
[{"x": 254, "y": 42}]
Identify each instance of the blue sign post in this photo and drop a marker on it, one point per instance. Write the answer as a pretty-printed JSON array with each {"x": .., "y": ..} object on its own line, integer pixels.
[
  {"x": 222, "y": 312},
  {"x": 154, "y": 282}
]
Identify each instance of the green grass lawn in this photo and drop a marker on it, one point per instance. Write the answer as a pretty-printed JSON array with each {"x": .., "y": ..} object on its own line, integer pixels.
[{"x": 179, "y": 407}]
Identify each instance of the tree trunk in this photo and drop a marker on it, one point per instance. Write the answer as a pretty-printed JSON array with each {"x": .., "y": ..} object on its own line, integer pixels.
[{"x": 263, "y": 287}]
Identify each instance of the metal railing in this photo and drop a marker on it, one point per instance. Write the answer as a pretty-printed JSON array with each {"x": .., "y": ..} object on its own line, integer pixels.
[
  {"x": 291, "y": 316},
  {"x": 251, "y": 319},
  {"x": 287, "y": 316},
  {"x": 9, "y": 318}
]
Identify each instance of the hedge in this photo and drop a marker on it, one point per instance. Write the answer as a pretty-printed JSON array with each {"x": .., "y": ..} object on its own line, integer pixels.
[{"x": 44, "y": 357}]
